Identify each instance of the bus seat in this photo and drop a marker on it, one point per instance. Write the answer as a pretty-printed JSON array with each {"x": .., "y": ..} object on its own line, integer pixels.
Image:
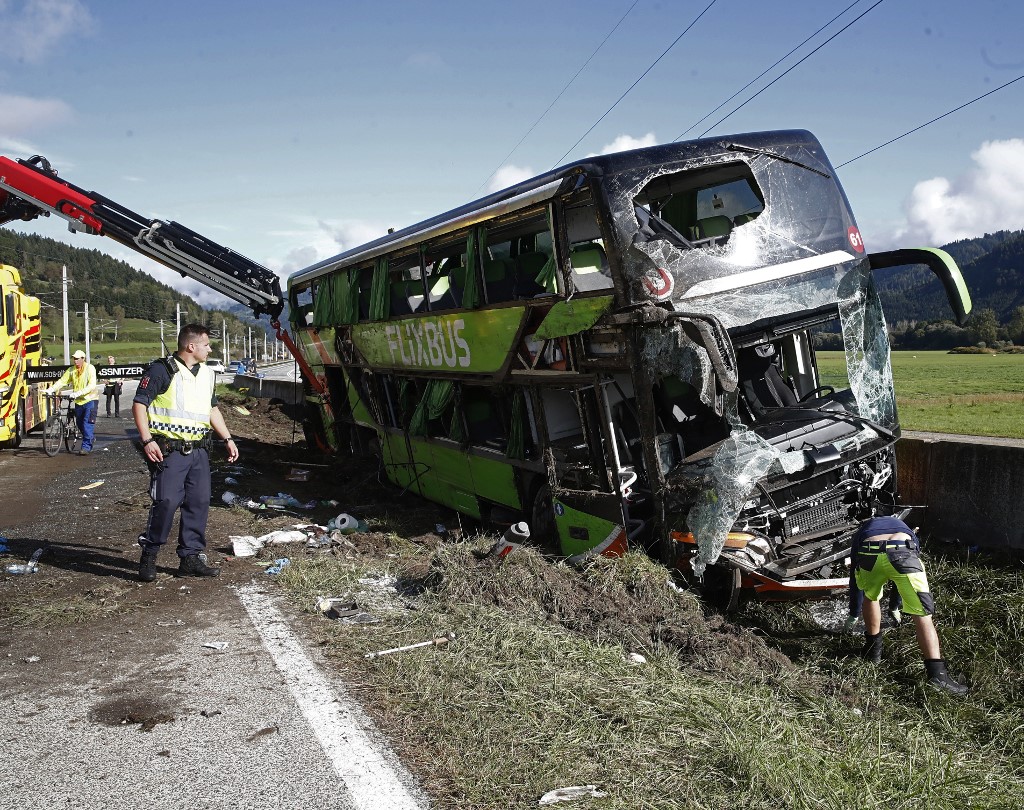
[
  {"x": 714, "y": 227},
  {"x": 499, "y": 279},
  {"x": 440, "y": 293},
  {"x": 761, "y": 382},
  {"x": 400, "y": 304},
  {"x": 743, "y": 219},
  {"x": 527, "y": 268},
  {"x": 589, "y": 267}
]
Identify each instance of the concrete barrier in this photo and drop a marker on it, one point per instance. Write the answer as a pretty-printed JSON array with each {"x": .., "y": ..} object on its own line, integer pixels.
[
  {"x": 267, "y": 388},
  {"x": 970, "y": 485}
]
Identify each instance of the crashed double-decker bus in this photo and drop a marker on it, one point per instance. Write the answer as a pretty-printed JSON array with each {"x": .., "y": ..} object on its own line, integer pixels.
[{"x": 621, "y": 352}]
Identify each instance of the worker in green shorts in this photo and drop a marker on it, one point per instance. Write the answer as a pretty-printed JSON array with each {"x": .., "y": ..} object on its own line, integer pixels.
[{"x": 886, "y": 549}]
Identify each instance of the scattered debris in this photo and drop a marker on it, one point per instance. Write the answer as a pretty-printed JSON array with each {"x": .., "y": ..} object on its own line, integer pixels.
[
  {"x": 248, "y": 546},
  {"x": 514, "y": 536},
  {"x": 347, "y": 612},
  {"x": 297, "y": 475},
  {"x": 434, "y": 642},
  {"x": 31, "y": 567},
  {"x": 93, "y": 485},
  {"x": 32, "y": 659},
  {"x": 283, "y": 500},
  {"x": 231, "y": 482},
  {"x": 210, "y": 713},
  {"x": 263, "y": 732},
  {"x": 636, "y": 658},
  {"x": 568, "y": 794},
  {"x": 216, "y": 645},
  {"x": 164, "y": 753},
  {"x": 241, "y": 410},
  {"x": 3, "y": 544},
  {"x": 278, "y": 566},
  {"x": 175, "y": 623},
  {"x": 346, "y": 524}
]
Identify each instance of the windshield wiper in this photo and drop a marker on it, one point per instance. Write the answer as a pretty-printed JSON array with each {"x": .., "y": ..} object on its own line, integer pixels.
[{"x": 738, "y": 147}]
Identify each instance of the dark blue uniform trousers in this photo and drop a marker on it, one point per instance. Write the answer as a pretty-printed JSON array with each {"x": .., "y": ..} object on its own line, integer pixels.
[{"x": 179, "y": 481}]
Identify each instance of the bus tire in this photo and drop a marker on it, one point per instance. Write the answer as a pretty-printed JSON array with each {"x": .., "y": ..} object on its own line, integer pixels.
[{"x": 542, "y": 518}]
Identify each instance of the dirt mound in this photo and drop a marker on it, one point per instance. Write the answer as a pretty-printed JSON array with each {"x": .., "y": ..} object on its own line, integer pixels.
[{"x": 629, "y": 601}]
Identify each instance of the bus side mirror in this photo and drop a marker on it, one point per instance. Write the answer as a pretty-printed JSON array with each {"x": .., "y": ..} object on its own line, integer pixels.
[{"x": 940, "y": 263}]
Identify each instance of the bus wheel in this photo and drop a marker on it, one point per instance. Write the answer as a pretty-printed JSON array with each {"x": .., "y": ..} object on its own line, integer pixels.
[{"x": 542, "y": 518}]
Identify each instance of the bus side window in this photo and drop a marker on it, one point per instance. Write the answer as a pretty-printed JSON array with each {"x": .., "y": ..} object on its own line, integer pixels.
[
  {"x": 443, "y": 283},
  {"x": 365, "y": 288},
  {"x": 405, "y": 285}
]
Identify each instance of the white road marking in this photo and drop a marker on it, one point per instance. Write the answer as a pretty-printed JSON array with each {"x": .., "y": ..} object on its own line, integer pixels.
[{"x": 344, "y": 732}]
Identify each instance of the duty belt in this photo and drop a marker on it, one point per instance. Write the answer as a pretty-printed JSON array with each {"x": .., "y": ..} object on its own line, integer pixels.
[
  {"x": 887, "y": 545},
  {"x": 183, "y": 447}
]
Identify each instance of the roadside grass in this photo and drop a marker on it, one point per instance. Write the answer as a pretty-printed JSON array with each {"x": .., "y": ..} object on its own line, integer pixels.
[
  {"x": 44, "y": 606},
  {"x": 536, "y": 691},
  {"x": 971, "y": 394}
]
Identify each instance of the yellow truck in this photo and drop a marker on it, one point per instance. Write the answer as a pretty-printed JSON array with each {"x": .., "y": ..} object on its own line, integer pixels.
[{"x": 22, "y": 405}]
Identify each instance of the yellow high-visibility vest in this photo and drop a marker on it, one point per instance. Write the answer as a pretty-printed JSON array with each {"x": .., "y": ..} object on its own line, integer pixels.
[{"x": 182, "y": 412}]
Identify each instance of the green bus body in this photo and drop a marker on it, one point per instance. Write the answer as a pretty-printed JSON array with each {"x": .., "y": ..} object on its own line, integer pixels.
[{"x": 621, "y": 352}]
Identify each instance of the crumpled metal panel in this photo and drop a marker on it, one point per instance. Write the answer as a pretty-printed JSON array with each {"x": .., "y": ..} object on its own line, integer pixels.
[{"x": 804, "y": 218}]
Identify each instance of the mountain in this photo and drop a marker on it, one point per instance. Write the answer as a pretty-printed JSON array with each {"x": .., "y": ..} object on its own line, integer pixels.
[
  {"x": 992, "y": 266},
  {"x": 112, "y": 288}
]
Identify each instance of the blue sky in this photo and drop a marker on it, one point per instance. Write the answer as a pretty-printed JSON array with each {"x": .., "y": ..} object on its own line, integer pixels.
[{"x": 290, "y": 132}]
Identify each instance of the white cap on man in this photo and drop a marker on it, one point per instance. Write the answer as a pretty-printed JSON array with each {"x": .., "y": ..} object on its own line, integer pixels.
[{"x": 79, "y": 355}]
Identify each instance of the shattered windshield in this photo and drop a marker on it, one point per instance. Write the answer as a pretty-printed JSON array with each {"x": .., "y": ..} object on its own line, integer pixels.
[{"x": 756, "y": 237}]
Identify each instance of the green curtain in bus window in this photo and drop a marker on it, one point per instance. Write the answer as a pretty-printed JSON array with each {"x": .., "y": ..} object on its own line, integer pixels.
[
  {"x": 323, "y": 303},
  {"x": 347, "y": 297},
  {"x": 437, "y": 397},
  {"x": 471, "y": 295},
  {"x": 516, "y": 433},
  {"x": 456, "y": 429},
  {"x": 548, "y": 275},
  {"x": 405, "y": 407},
  {"x": 380, "y": 298}
]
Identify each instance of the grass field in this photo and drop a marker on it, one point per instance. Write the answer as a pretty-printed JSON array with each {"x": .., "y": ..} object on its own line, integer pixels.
[{"x": 972, "y": 394}]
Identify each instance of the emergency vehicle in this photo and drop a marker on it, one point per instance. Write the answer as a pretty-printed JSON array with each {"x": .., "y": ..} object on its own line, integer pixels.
[{"x": 22, "y": 405}]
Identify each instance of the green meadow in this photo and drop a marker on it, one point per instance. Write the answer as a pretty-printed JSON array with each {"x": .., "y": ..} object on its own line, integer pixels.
[{"x": 972, "y": 394}]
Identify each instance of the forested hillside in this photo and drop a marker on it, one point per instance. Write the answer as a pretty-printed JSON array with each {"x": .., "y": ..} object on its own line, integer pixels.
[
  {"x": 115, "y": 291},
  {"x": 993, "y": 268}
]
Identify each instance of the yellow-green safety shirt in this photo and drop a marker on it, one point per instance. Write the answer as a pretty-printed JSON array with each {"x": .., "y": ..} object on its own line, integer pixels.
[
  {"x": 182, "y": 412},
  {"x": 82, "y": 384}
]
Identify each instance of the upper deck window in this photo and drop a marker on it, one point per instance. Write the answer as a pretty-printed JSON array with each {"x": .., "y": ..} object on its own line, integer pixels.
[{"x": 699, "y": 208}]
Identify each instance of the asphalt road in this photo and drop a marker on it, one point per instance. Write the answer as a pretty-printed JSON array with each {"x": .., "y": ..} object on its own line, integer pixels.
[{"x": 133, "y": 709}]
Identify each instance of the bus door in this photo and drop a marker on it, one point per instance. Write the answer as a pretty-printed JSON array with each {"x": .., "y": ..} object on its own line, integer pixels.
[{"x": 585, "y": 498}]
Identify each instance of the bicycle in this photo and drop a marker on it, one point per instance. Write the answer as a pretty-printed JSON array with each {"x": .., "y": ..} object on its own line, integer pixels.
[{"x": 61, "y": 427}]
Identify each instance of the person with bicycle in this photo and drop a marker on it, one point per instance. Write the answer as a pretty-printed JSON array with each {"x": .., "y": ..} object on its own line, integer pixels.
[
  {"x": 81, "y": 379},
  {"x": 175, "y": 410}
]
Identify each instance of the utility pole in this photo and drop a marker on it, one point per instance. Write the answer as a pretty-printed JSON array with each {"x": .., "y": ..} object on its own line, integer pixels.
[
  {"x": 265, "y": 358},
  {"x": 224, "y": 331},
  {"x": 250, "y": 354},
  {"x": 67, "y": 336},
  {"x": 163, "y": 346},
  {"x": 88, "y": 359},
  {"x": 177, "y": 318}
]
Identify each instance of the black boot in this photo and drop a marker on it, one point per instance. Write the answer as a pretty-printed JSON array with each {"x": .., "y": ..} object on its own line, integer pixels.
[
  {"x": 872, "y": 650},
  {"x": 940, "y": 679},
  {"x": 147, "y": 564},
  {"x": 195, "y": 566}
]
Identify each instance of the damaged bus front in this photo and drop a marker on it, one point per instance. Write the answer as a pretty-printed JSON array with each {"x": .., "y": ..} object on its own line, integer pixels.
[
  {"x": 622, "y": 352},
  {"x": 759, "y": 467}
]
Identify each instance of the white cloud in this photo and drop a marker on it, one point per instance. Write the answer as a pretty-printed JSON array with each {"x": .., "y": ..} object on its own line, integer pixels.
[
  {"x": 626, "y": 142},
  {"x": 21, "y": 114},
  {"x": 987, "y": 198},
  {"x": 509, "y": 175},
  {"x": 33, "y": 28},
  {"x": 316, "y": 240}
]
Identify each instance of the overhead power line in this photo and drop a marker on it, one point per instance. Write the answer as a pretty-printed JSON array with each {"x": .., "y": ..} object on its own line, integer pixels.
[
  {"x": 634, "y": 84},
  {"x": 766, "y": 70},
  {"x": 797, "y": 64},
  {"x": 560, "y": 94},
  {"x": 928, "y": 123}
]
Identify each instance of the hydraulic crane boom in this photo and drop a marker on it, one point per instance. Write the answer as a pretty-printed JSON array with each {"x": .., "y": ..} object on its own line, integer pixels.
[{"x": 31, "y": 188}]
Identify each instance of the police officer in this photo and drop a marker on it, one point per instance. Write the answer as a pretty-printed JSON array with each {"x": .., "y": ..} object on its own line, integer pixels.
[
  {"x": 174, "y": 410},
  {"x": 885, "y": 549}
]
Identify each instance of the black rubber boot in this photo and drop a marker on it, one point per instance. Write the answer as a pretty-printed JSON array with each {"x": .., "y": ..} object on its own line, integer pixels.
[
  {"x": 195, "y": 566},
  {"x": 147, "y": 565},
  {"x": 940, "y": 679},
  {"x": 872, "y": 650}
]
